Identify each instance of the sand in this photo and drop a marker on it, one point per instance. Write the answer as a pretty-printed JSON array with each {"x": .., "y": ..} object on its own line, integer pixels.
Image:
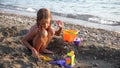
[{"x": 99, "y": 49}]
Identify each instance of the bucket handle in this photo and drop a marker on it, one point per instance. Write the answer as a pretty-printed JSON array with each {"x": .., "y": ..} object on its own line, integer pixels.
[{"x": 72, "y": 32}]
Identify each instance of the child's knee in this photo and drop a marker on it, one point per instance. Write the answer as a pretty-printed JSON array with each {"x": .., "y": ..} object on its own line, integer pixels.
[{"x": 43, "y": 47}]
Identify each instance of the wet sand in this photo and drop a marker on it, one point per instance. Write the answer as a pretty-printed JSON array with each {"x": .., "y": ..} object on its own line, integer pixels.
[{"x": 99, "y": 49}]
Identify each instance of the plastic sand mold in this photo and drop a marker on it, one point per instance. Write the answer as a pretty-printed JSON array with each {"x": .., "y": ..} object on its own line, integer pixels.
[{"x": 69, "y": 35}]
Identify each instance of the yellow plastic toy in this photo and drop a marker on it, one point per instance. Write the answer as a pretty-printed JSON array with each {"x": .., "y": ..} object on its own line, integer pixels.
[
  {"x": 45, "y": 58},
  {"x": 71, "y": 55}
]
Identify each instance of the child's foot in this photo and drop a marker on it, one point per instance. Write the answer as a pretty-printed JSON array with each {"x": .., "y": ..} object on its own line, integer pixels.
[{"x": 47, "y": 51}]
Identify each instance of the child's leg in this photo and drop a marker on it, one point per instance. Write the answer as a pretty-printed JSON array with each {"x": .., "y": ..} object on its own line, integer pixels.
[
  {"x": 40, "y": 44},
  {"x": 44, "y": 46},
  {"x": 43, "y": 49},
  {"x": 37, "y": 43}
]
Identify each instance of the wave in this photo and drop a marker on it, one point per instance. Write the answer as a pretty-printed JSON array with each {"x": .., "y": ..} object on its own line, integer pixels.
[
  {"x": 11, "y": 7},
  {"x": 90, "y": 18},
  {"x": 85, "y": 17}
]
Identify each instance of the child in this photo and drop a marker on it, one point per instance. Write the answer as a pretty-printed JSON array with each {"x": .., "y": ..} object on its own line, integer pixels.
[{"x": 41, "y": 33}]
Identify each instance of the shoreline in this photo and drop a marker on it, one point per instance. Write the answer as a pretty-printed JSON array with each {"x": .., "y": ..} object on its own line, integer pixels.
[
  {"x": 69, "y": 20},
  {"x": 100, "y": 48}
]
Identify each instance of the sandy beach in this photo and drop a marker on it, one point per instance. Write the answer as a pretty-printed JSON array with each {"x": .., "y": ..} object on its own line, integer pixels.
[{"x": 99, "y": 48}]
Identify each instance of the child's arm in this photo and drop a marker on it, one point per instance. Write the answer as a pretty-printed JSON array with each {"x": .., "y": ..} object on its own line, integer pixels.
[
  {"x": 37, "y": 42},
  {"x": 58, "y": 33},
  {"x": 60, "y": 25},
  {"x": 28, "y": 37}
]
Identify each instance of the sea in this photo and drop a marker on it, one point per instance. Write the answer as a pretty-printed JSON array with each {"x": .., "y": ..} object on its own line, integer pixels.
[{"x": 102, "y": 14}]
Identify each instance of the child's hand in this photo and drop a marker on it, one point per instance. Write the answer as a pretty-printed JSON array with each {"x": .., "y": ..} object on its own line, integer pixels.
[
  {"x": 35, "y": 53},
  {"x": 60, "y": 23}
]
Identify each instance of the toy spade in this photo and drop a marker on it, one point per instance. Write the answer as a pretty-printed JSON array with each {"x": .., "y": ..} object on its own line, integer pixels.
[{"x": 45, "y": 58}]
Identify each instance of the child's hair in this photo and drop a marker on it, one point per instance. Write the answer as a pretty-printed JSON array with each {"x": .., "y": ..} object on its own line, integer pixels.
[{"x": 42, "y": 15}]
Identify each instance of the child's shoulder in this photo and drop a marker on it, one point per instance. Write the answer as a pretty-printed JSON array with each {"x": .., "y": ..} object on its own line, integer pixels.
[{"x": 34, "y": 28}]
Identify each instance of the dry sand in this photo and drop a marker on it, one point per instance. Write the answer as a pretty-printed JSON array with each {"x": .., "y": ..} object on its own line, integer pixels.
[{"x": 99, "y": 49}]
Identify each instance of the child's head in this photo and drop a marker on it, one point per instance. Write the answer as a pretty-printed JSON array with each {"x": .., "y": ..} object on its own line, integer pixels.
[{"x": 43, "y": 18}]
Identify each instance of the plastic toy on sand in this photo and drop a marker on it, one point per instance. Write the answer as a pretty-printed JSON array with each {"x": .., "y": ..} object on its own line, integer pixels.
[
  {"x": 60, "y": 63},
  {"x": 77, "y": 40},
  {"x": 45, "y": 58},
  {"x": 70, "y": 56},
  {"x": 69, "y": 35},
  {"x": 67, "y": 63}
]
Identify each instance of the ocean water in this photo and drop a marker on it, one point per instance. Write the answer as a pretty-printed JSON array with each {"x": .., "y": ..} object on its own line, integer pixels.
[{"x": 101, "y": 12}]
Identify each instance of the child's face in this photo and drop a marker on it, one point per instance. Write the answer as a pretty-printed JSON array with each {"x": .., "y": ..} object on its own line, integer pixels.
[{"x": 47, "y": 23}]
